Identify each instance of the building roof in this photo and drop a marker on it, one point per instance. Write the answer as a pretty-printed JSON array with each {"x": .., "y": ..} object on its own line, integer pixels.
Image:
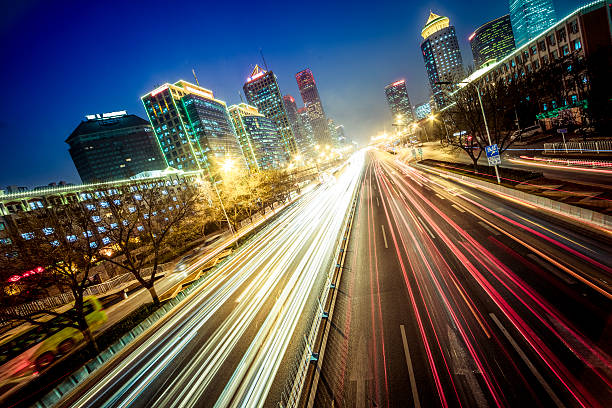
[
  {"x": 434, "y": 23},
  {"x": 256, "y": 73},
  {"x": 102, "y": 125}
]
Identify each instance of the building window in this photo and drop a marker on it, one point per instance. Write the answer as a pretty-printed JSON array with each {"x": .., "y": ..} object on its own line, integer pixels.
[
  {"x": 542, "y": 45},
  {"x": 533, "y": 49},
  {"x": 576, "y": 45},
  {"x": 561, "y": 36},
  {"x": 536, "y": 64},
  {"x": 573, "y": 26},
  {"x": 550, "y": 39},
  {"x": 566, "y": 50},
  {"x": 554, "y": 54},
  {"x": 2, "y": 226}
]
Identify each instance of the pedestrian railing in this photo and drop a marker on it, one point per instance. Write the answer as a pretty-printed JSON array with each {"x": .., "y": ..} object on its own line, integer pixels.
[
  {"x": 570, "y": 162},
  {"x": 597, "y": 147}
]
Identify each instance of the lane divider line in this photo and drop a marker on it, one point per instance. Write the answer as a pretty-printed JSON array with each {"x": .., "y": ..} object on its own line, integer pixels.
[
  {"x": 384, "y": 235},
  {"x": 415, "y": 391},
  {"x": 455, "y": 206}
]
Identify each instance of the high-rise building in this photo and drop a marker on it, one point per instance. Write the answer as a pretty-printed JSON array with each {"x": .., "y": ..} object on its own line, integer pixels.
[
  {"x": 114, "y": 146},
  {"x": 441, "y": 55},
  {"x": 305, "y": 127},
  {"x": 398, "y": 100},
  {"x": 422, "y": 110},
  {"x": 530, "y": 17},
  {"x": 312, "y": 103},
  {"x": 258, "y": 137},
  {"x": 302, "y": 137},
  {"x": 492, "y": 41},
  {"x": 193, "y": 128},
  {"x": 262, "y": 91}
]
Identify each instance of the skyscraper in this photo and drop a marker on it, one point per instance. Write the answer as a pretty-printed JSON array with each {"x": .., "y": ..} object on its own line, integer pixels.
[
  {"x": 422, "y": 110},
  {"x": 262, "y": 91},
  {"x": 258, "y": 137},
  {"x": 114, "y": 146},
  {"x": 312, "y": 102},
  {"x": 303, "y": 139},
  {"x": 530, "y": 17},
  {"x": 398, "y": 100},
  {"x": 441, "y": 54},
  {"x": 306, "y": 128},
  {"x": 492, "y": 41},
  {"x": 193, "y": 128}
]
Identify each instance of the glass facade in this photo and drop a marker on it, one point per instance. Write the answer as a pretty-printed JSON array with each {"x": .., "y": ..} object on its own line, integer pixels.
[
  {"x": 262, "y": 91},
  {"x": 530, "y": 17},
  {"x": 192, "y": 127},
  {"x": 312, "y": 103},
  {"x": 398, "y": 100},
  {"x": 303, "y": 138},
  {"x": 258, "y": 137},
  {"x": 422, "y": 110},
  {"x": 492, "y": 41},
  {"x": 114, "y": 147},
  {"x": 441, "y": 54}
]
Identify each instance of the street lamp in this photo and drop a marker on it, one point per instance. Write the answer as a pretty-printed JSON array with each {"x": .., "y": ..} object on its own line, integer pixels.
[
  {"x": 227, "y": 166},
  {"x": 484, "y": 117}
]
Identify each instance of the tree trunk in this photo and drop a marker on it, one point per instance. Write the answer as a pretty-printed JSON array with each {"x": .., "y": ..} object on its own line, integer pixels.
[
  {"x": 89, "y": 338},
  {"x": 153, "y": 294}
]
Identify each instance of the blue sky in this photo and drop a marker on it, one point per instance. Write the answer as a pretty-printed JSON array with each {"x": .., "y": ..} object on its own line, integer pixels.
[{"x": 62, "y": 60}]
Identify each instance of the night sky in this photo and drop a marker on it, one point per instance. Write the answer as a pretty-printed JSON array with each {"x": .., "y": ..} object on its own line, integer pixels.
[{"x": 62, "y": 60}]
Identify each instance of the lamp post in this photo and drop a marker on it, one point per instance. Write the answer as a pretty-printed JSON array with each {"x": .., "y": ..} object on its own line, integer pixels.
[{"x": 484, "y": 117}]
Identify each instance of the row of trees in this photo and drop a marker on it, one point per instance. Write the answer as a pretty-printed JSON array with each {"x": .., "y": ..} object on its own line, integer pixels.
[
  {"x": 129, "y": 229},
  {"x": 579, "y": 84}
]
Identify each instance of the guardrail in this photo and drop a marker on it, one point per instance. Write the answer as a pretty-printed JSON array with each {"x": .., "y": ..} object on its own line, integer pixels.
[
  {"x": 313, "y": 344},
  {"x": 569, "y": 162},
  {"x": 577, "y": 213},
  {"x": 598, "y": 146}
]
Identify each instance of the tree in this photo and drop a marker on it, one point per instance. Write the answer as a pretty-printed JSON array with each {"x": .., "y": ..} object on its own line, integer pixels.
[
  {"x": 138, "y": 222},
  {"x": 53, "y": 250}
]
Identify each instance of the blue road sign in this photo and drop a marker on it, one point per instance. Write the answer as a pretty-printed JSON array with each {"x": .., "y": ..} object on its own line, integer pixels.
[{"x": 492, "y": 150}]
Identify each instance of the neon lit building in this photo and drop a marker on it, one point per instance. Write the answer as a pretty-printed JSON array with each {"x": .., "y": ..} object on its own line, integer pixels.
[
  {"x": 262, "y": 91},
  {"x": 306, "y": 128},
  {"x": 399, "y": 101},
  {"x": 193, "y": 129},
  {"x": 492, "y": 41},
  {"x": 441, "y": 54},
  {"x": 303, "y": 138},
  {"x": 422, "y": 110},
  {"x": 312, "y": 103},
  {"x": 530, "y": 17},
  {"x": 258, "y": 137},
  {"x": 113, "y": 146}
]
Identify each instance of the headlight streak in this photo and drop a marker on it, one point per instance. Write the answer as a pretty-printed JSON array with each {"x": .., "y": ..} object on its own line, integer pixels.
[{"x": 478, "y": 252}]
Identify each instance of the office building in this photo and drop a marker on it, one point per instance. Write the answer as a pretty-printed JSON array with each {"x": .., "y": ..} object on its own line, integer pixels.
[
  {"x": 113, "y": 146},
  {"x": 441, "y": 55},
  {"x": 530, "y": 17},
  {"x": 492, "y": 41},
  {"x": 398, "y": 100},
  {"x": 312, "y": 103},
  {"x": 259, "y": 138},
  {"x": 305, "y": 127},
  {"x": 193, "y": 128},
  {"x": 303, "y": 138},
  {"x": 422, "y": 110},
  {"x": 262, "y": 91}
]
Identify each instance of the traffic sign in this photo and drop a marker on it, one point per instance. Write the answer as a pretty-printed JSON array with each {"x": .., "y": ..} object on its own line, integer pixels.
[
  {"x": 494, "y": 160},
  {"x": 492, "y": 150},
  {"x": 561, "y": 130}
]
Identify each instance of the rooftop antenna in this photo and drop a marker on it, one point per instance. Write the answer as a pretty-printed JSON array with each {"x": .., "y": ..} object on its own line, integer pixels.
[
  {"x": 263, "y": 59},
  {"x": 240, "y": 95},
  {"x": 195, "y": 76}
]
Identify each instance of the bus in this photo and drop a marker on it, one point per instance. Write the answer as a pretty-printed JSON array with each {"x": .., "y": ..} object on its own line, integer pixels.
[{"x": 32, "y": 350}]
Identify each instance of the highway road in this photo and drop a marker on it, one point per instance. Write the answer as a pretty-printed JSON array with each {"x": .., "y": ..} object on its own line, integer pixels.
[
  {"x": 223, "y": 346},
  {"x": 456, "y": 297}
]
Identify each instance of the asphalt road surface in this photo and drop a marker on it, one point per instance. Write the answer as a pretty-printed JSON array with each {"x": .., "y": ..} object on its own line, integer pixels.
[
  {"x": 223, "y": 346},
  {"x": 456, "y": 297}
]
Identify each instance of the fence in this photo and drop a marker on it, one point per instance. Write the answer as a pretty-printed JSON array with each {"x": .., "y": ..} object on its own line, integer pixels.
[
  {"x": 577, "y": 213},
  {"x": 62, "y": 299},
  {"x": 598, "y": 147},
  {"x": 570, "y": 162}
]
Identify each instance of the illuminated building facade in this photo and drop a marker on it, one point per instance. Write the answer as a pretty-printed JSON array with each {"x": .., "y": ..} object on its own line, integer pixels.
[
  {"x": 113, "y": 146},
  {"x": 398, "y": 100},
  {"x": 193, "y": 128},
  {"x": 262, "y": 91},
  {"x": 492, "y": 41},
  {"x": 530, "y": 17},
  {"x": 258, "y": 137},
  {"x": 441, "y": 54},
  {"x": 305, "y": 127},
  {"x": 312, "y": 103},
  {"x": 303, "y": 137},
  {"x": 422, "y": 110}
]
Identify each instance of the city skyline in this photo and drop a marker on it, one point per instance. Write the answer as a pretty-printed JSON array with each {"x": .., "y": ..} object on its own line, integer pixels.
[{"x": 93, "y": 85}]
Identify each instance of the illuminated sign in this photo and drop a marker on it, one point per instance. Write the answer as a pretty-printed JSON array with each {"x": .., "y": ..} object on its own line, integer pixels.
[
  {"x": 254, "y": 77},
  {"x": 99, "y": 116},
  {"x": 198, "y": 92},
  {"x": 34, "y": 271},
  {"x": 401, "y": 81},
  {"x": 158, "y": 90},
  {"x": 471, "y": 36}
]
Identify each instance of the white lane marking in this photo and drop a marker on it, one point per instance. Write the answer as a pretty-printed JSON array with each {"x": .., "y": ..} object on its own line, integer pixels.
[
  {"x": 384, "y": 236},
  {"x": 524, "y": 357},
  {"x": 488, "y": 228},
  {"x": 377, "y": 203},
  {"x": 550, "y": 269},
  {"x": 426, "y": 227},
  {"x": 415, "y": 392},
  {"x": 458, "y": 208},
  {"x": 440, "y": 197}
]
